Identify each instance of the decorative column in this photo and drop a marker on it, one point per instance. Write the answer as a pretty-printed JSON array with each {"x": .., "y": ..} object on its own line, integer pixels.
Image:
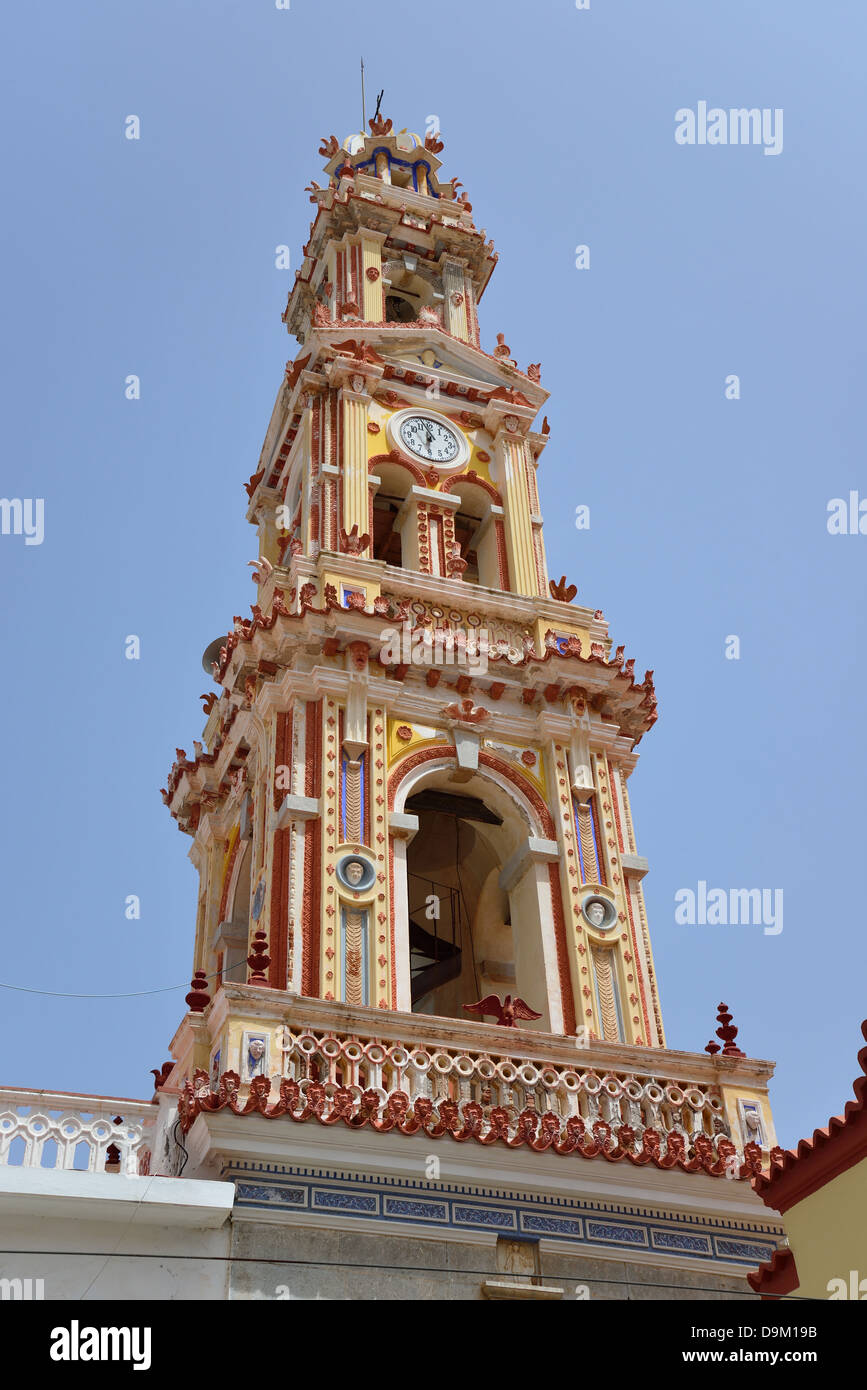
[
  {"x": 553, "y": 728},
  {"x": 354, "y": 403},
  {"x": 634, "y": 867},
  {"x": 426, "y": 525},
  {"x": 402, "y": 829},
  {"x": 357, "y": 957},
  {"x": 279, "y": 930},
  {"x": 541, "y": 565},
  {"x": 455, "y": 291},
  {"x": 373, "y": 306},
  {"x": 526, "y": 878},
  {"x": 488, "y": 543},
  {"x": 383, "y": 963},
  {"x": 511, "y": 477},
  {"x": 297, "y": 816}
]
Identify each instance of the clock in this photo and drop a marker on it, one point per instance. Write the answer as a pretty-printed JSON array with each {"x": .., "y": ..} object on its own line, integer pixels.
[{"x": 429, "y": 437}]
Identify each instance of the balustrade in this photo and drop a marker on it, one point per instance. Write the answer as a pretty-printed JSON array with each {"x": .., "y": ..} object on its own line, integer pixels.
[
  {"x": 54, "y": 1129},
  {"x": 498, "y": 1080}
]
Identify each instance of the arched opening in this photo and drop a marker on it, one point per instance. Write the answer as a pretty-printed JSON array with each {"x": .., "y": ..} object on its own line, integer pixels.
[
  {"x": 474, "y": 533},
  {"x": 291, "y": 516},
  {"x": 233, "y": 933},
  {"x": 465, "y": 530},
  {"x": 401, "y": 175},
  {"x": 388, "y": 501},
  {"x": 457, "y": 909},
  {"x": 399, "y": 309},
  {"x": 386, "y": 537},
  {"x": 406, "y": 291},
  {"x": 472, "y": 930}
]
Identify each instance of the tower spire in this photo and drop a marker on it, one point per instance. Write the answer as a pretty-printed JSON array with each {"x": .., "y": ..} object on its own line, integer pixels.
[{"x": 363, "y": 111}]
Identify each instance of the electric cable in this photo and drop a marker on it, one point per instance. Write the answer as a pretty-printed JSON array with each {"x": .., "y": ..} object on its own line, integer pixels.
[
  {"x": 392, "y": 1269},
  {"x": 131, "y": 994}
]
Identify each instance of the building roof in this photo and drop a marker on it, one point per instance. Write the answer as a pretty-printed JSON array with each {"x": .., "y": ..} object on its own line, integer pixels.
[{"x": 796, "y": 1173}]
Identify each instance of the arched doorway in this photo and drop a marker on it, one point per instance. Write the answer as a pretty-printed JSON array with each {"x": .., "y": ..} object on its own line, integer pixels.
[{"x": 474, "y": 909}]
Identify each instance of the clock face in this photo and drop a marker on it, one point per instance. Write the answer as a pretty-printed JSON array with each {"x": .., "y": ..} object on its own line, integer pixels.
[{"x": 429, "y": 439}]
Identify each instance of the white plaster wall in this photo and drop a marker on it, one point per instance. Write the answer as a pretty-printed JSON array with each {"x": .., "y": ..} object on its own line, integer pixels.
[
  {"x": 95, "y": 1236},
  {"x": 94, "y": 1260}
]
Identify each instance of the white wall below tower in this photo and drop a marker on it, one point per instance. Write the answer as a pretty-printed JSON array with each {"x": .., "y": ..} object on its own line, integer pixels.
[{"x": 93, "y": 1236}]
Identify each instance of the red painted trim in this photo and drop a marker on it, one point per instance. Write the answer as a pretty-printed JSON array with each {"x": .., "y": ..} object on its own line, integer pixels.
[
  {"x": 615, "y": 804},
  {"x": 797, "y": 1173},
  {"x": 460, "y": 1121},
  {"x": 398, "y": 462},
  {"x": 777, "y": 1277},
  {"x": 502, "y": 556},
  {"x": 366, "y": 827},
  {"x": 392, "y": 934},
  {"x": 475, "y": 481},
  {"x": 311, "y": 918},
  {"x": 567, "y": 997}
]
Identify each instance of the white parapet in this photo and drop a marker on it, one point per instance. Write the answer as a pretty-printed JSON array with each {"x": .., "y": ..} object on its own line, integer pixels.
[{"x": 61, "y": 1129}]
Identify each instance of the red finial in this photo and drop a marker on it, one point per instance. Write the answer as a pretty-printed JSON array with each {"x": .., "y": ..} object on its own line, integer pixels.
[
  {"x": 161, "y": 1077},
  {"x": 712, "y": 1048},
  {"x": 562, "y": 592},
  {"x": 198, "y": 997},
  {"x": 259, "y": 960},
  {"x": 727, "y": 1032}
]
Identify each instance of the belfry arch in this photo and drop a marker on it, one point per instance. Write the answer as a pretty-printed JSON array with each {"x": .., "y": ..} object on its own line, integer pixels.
[
  {"x": 480, "y": 852},
  {"x": 231, "y": 938},
  {"x": 388, "y": 506}
]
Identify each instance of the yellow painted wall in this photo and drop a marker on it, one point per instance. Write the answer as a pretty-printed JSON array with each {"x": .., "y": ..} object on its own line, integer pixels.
[
  {"x": 828, "y": 1233},
  {"x": 478, "y": 439},
  {"x": 565, "y": 627},
  {"x": 732, "y": 1094}
]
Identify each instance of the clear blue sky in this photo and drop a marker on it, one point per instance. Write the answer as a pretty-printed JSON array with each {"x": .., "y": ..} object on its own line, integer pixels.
[{"x": 708, "y": 516}]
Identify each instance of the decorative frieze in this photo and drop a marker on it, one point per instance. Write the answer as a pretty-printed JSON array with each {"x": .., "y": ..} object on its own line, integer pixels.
[{"x": 487, "y": 1097}]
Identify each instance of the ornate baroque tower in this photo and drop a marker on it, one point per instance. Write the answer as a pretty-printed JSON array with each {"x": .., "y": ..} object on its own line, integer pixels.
[{"x": 412, "y": 790}]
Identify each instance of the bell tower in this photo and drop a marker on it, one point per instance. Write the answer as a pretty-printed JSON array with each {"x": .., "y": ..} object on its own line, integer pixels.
[
  {"x": 406, "y": 635},
  {"x": 409, "y": 809}
]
